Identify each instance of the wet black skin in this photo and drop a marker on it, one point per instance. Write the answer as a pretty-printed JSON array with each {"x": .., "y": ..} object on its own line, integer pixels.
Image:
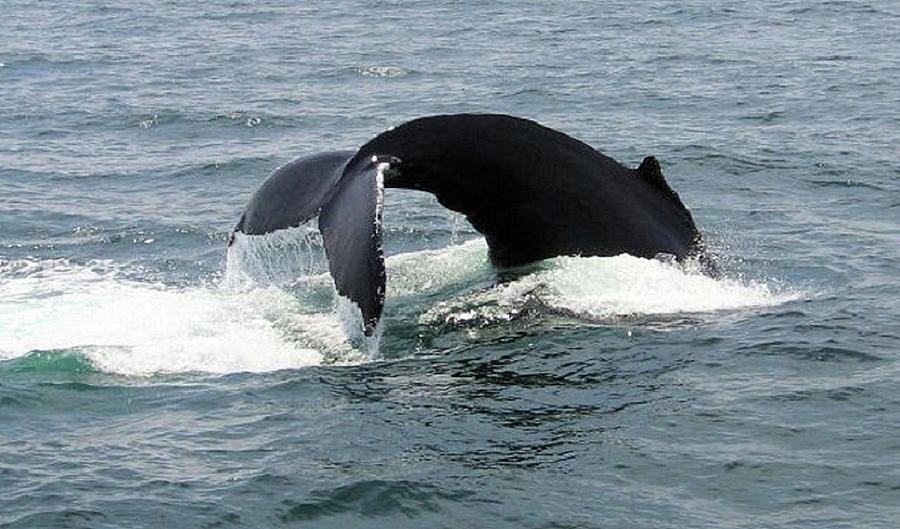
[{"x": 533, "y": 192}]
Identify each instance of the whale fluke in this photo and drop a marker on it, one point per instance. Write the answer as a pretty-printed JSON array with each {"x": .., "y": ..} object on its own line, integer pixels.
[
  {"x": 293, "y": 194},
  {"x": 351, "y": 231},
  {"x": 533, "y": 192}
]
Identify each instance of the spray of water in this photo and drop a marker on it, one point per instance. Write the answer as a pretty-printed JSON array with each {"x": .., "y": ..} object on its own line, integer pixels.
[{"x": 275, "y": 307}]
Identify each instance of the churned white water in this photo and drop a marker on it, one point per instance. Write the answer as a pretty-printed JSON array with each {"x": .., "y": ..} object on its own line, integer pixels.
[
  {"x": 591, "y": 288},
  {"x": 624, "y": 285},
  {"x": 134, "y": 328},
  {"x": 252, "y": 321}
]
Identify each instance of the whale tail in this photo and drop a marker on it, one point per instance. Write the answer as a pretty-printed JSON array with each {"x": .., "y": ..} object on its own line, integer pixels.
[
  {"x": 533, "y": 192},
  {"x": 347, "y": 201},
  {"x": 351, "y": 226}
]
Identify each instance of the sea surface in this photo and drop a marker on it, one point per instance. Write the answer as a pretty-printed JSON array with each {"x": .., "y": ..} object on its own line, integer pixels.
[{"x": 150, "y": 379}]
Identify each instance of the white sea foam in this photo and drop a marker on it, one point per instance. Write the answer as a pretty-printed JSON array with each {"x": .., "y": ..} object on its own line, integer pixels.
[
  {"x": 262, "y": 318},
  {"x": 607, "y": 288},
  {"x": 381, "y": 71},
  {"x": 430, "y": 271},
  {"x": 136, "y": 328},
  {"x": 602, "y": 287}
]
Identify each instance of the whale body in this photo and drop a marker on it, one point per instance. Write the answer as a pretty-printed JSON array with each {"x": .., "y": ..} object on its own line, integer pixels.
[{"x": 533, "y": 192}]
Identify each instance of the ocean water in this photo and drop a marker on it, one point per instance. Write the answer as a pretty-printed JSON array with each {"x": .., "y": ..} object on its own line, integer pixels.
[{"x": 149, "y": 379}]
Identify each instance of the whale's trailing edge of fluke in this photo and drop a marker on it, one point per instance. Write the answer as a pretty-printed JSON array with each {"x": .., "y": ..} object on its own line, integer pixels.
[{"x": 533, "y": 192}]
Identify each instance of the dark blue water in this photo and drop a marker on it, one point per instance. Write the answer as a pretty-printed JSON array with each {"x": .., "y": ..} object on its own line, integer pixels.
[{"x": 148, "y": 381}]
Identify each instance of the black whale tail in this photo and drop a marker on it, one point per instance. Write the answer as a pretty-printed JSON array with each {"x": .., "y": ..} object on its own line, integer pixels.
[
  {"x": 347, "y": 200},
  {"x": 533, "y": 192}
]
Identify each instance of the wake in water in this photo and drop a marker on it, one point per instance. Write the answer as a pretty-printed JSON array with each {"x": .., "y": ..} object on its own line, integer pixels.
[{"x": 275, "y": 307}]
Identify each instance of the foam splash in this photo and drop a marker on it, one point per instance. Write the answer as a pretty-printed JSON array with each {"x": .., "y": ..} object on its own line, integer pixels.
[
  {"x": 276, "y": 308},
  {"x": 606, "y": 289},
  {"x": 294, "y": 260},
  {"x": 381, "y": 71},
  {"x": 277, "y": 258},
  {"x": 431, "y": 271},
  {"x": 134, "y": 328}
]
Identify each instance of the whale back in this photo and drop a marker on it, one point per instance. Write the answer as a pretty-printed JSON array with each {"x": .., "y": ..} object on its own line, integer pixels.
[{"x": 535, "y": 192}]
